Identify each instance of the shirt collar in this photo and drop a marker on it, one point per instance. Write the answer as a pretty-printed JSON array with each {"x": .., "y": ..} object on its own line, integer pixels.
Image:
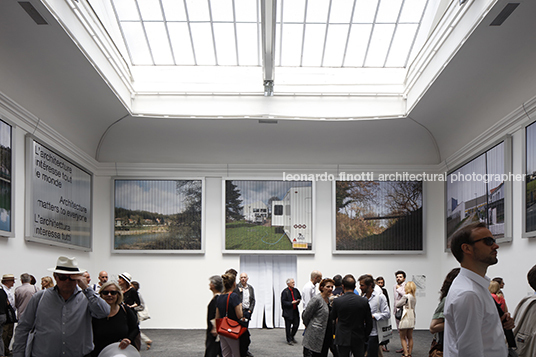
[
  {"x": 482, "y": 281},
  {"x": 372, "y": 296}
]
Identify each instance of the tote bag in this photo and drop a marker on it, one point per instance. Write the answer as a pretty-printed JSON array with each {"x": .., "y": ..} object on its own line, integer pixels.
[
  {"x": 385, "y": 330},
  {"x": 383, "y": 327}
]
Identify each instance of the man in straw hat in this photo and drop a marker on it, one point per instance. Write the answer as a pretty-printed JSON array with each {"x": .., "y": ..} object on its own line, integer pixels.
[
  {"x": 8, "y": 280},
  {"x": 61, "y": 317}
]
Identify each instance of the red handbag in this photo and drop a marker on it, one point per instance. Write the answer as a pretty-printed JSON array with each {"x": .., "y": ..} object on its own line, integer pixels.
[{"x": 228, "y": 327}]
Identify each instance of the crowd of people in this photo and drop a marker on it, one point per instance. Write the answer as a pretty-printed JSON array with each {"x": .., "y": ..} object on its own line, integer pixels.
[
  {"x": 72, "y": 317},
  {"x": 471, "y": 319},
  {"x": 344, "y": 315},
  {"x": 338, "y": 317}
]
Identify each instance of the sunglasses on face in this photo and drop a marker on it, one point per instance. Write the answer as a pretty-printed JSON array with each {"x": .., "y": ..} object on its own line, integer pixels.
[
  {"x": 65, "y": 277},
  {"x": 489, "y": 241},
  {"x": 109, "y": 292}
]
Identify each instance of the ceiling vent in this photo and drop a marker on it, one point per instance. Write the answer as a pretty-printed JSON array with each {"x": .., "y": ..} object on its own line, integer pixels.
[
  {"x": 504, "y": 14},
  {"x": 267, "y": 121},
  {"x": 32, "y": 11}
]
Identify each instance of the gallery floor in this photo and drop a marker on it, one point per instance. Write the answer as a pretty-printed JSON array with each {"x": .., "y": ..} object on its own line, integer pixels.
[{"x": 265, "y": 343}]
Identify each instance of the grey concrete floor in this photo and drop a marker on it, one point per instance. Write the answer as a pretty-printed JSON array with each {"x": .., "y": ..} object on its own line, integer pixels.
[{"x": 264, "y": 343}]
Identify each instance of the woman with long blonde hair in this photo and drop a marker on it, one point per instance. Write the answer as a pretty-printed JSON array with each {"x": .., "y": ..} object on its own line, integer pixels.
[
  {"x": 407, "y": 322},
  {"x": 46, "y": 282}
]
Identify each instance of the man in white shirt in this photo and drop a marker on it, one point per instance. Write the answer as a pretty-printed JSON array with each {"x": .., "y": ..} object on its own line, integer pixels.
[
  {"x": 473, "y": 327},
  {"x": 309, "y": 289},
  {"x": 378, "y": 309}
]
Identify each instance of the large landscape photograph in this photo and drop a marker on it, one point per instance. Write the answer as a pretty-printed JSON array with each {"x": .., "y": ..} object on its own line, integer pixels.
[
  {"x": 473, "y": 197},
  {"x": 268, "y": 215},
  {"x": 530, "y": 184},
  {"x": 378, "y": 216},
  {"x": 156, "y": 215},
  {"x": 5, "y": 177}
]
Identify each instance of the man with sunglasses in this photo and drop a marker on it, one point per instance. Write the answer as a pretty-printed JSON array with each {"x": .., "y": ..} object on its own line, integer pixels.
[
  {"x": 472, "y": 325},
  {"x": 59, "y": 319}
]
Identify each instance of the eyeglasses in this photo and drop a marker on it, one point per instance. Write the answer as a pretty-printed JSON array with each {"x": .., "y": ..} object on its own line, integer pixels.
[
  {"x": 64, "y": 277},
  {"x": 109, "y": 292},
  {"x": 489, "y": 241}
]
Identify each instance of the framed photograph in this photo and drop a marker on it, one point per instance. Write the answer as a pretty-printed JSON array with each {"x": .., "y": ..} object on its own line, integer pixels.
[
  {"x": 6, "y": 186},
  {"x": 158, "y": 216},
  {"x": 529, "y": 202},
  {"x": 58, "y": 199},
  {"x": 378, "y": 217},
  {"x": 481, "y": 191},
  {"x": 268, "y": 215}
]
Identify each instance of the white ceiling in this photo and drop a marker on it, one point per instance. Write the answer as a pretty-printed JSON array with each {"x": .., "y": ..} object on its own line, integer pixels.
[{"x": 44, "y": 71}]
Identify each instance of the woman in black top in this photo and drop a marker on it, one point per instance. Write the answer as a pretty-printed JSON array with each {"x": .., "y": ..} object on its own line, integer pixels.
[
  {"x": 212, "y": 347},
  {"x": 121, "y": 325},
  {"x": 229, "y": 347},
  {"x": 130, "y": 295}
]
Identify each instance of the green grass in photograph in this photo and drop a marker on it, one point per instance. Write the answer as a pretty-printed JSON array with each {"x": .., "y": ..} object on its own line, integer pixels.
[
  {"x": 246, "y": 236},
  {"x": 531, "y": 193}
]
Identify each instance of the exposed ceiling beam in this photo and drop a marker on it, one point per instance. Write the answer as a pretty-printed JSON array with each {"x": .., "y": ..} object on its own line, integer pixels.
[{"x": 268, "y": 21}]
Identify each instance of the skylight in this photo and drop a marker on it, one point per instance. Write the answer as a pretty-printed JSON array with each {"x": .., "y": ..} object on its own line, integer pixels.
[
  {"x": 347, "y": 33},
  {"x": 190, "y": 32},
  {"x": 309, "y": 33},
  {"x": 316, "y": 59}
]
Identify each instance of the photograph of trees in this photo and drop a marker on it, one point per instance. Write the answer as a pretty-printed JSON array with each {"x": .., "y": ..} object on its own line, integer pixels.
[
  {"x": 5, "y": 177},
  {"x": 157, "y": 215},
  {"x": 378, "y": 215},
  {"x": 471, "y": 198},
  {"x": 530, "y": 179},
  {"x": 268, "y": 215}
]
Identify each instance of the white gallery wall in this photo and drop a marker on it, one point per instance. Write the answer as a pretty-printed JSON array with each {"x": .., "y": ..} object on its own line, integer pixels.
[{"x": 175, "y": 286}]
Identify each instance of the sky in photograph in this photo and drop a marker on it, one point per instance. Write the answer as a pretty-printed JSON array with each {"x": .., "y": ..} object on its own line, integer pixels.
[
  {"x": 262, "y": 190},
  {"x": 468, "y": 190},
  {"x": 158, "y": 196}
]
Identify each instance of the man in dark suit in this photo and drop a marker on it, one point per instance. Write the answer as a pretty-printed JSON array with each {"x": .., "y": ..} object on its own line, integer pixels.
[
  {"x": 354, "y": 320},
  {"x": 290, "y": 299}
]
